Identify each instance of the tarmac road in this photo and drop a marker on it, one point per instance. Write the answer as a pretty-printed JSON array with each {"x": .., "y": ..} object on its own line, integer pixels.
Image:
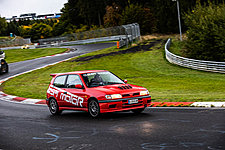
[
  {"x": 23, "y": 66},
  {"x": 32, "y": 127}
]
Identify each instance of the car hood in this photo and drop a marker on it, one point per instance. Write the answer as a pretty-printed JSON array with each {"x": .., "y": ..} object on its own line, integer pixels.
[{"x": 119, "y": 89}]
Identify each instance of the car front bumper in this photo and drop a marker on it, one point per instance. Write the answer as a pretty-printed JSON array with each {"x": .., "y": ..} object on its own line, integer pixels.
[{"x": 123, "y": 104}]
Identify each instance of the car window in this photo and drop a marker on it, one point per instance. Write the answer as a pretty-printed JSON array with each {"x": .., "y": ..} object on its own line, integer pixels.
[
  {"x": 100, "y": 78},
  {"x": 60, "y": 81},
  {"x": 73, "y": 80}
]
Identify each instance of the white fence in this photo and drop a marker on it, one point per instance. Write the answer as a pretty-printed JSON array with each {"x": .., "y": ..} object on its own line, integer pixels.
[{"x": 211, "y": 66}]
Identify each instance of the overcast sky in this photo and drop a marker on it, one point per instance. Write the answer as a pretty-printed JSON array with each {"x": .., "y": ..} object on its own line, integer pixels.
[{"x": 9, "y": 8}]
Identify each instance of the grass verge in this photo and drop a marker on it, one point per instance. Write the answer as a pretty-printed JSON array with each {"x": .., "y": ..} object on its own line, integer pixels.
[
  {"x": 147, "y": 68},
  {"x": 16, "y": 55},
  {"x": 177, "y": 47},
  {"x": 4, "y": 37}
]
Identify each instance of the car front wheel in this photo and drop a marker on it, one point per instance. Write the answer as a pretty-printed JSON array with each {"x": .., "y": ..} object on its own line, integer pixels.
[
  {"x": 53, "y": 107},
  {"x": 93, "y": 108}
]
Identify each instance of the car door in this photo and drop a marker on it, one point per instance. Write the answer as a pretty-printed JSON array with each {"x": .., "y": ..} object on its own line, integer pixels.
[
  {"x": 77, "y": 95},
  {"x": 59, "y": 90}
]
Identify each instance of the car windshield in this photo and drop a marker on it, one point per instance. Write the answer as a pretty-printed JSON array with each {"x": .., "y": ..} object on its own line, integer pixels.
[{"x": 100, "y": 78}]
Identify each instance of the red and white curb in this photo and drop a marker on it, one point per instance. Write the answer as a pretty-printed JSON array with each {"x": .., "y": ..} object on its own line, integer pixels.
[
  {"x": 22, "y": 100},
  {"x": 208, "y": 104},
  {"x": 15, "y": 99},
  {"x": 188, "y": 104}
]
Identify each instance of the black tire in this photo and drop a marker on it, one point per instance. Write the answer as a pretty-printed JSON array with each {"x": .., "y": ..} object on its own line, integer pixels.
[
  {"x": 138, "y": 111},
  {"x": 93, "y": 108},
  {"x": 4, "y": 67},
  {"x": 7, "y": 69},
  {"x": 53, "y": 107}
]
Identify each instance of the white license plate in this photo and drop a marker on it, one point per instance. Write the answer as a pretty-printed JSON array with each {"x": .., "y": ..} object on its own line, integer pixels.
[{"x": 133, "y": 101}]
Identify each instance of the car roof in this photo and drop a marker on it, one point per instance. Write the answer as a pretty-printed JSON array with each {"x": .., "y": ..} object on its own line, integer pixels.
[{"x": 78, "y": 72}]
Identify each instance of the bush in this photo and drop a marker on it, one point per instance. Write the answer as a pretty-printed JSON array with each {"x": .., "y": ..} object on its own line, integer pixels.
[
  {"x": 206, "y": 32},
  {"x": 36, "y": 31}
]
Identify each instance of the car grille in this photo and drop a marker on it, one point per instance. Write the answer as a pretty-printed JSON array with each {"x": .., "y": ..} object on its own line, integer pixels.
[{"x": 130, "y": 95}]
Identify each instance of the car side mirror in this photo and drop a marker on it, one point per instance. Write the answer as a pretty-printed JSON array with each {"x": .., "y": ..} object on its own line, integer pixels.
[
  {"x": 125, "y": 81},
  {"x": 79, "y": 86}
]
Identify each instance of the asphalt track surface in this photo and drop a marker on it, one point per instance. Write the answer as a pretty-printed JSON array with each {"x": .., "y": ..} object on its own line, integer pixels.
[
  {"x": 20, "y": 67},
  {"x": 31, "y": 127}
]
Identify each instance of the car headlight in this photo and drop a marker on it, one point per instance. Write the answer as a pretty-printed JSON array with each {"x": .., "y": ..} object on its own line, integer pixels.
[
  {"x": 113, "y": 96},
  {"x": 144, "y": 92}
]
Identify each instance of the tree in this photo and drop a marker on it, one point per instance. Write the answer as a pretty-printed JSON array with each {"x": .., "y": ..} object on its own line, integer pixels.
[
  {"x": 59, "y": 28},
  {"x": 40, "y": 30},
  {"x": 92, "y": 11},
  {"x": 13, "y": 28},
  {"x": 206, "y": 32},
  {"x": 138, "y": 14},
  {"x": 3, "y": 26},
  {"x": 112, "y": 16},
  {"x": 36, "y": 31},
  {"x": 70, "y": 13}
]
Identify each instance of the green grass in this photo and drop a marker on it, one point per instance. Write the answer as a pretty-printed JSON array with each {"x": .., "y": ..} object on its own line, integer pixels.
[
  {"x": 165, "y": 81},
  {"x": 177, "y": 47},
  {"x": 4, "y": 37},
  {"x": 16, "y": 55}
]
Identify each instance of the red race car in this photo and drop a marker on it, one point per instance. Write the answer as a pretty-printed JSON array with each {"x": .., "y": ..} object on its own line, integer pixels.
[{"x": 94, "y": 91}]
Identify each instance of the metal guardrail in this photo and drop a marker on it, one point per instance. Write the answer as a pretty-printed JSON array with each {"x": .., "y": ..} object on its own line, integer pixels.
[
  {"x": 125, "y": 34},
  {"x": 211, "y": 66},
  {"x": 87, "y": 41}
]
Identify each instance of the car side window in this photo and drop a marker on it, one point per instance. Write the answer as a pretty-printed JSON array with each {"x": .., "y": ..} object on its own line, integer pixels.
[
  {"x": 60, "y": 81},
  {"x": 73, "y": 80}
]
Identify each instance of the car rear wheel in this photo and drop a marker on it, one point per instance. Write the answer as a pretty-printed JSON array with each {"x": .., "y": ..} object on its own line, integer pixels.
[
  {"x": 53, "y": 107},
  {"x": 93, "y": 108},
  {"x": 138, "y": 111}
]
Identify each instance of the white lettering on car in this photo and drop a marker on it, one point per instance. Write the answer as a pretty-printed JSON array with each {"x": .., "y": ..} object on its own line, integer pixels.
[
  {"x": 69, "y": 97},
  {"x": 81, "y": 100},
  {"x": 52, "y": 92},
  {"x": 73, "y": 99}
]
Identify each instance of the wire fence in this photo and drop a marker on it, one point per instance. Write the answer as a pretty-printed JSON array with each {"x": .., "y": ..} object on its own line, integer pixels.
[
  {"x": 210, "y": 66},
  {"x": 126, "y": 33},
  {"x": 17, "y": 41}
]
